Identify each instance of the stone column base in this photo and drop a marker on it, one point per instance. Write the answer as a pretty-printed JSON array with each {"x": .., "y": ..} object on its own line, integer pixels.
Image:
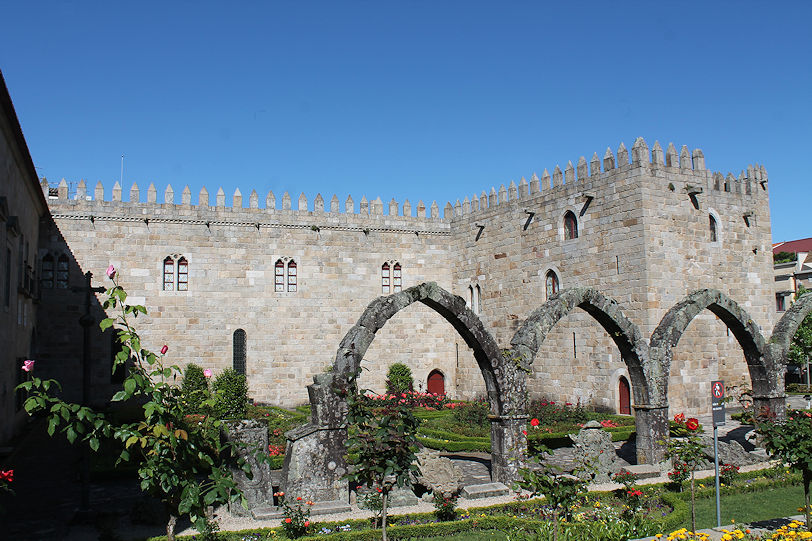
[
  {"x": 508, "y": 447},
  {"x": 651, "y": 424}
]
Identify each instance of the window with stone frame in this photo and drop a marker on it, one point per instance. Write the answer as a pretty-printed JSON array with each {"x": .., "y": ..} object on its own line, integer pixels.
[
  {"x": 48, "y": 272},
  {"x": 570, "y": 226},
  {"x": 175, "y": 273},
  {"x": 713, "y": 228},
  {"x": 780, "y": 302},
  {"x": 62, "y": 272},
  {"x": 286, "y": 275},
  {"x": 477, "y": 299},
  {"x": 551, "y": 283},
  {"x": 391, "y": 277},
  {"x": 238, "y": 351},
  {"x": 169, "y": 274}
]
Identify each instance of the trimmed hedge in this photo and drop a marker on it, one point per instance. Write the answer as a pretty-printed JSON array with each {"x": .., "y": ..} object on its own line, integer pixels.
[{"x": 436, "y": 439}]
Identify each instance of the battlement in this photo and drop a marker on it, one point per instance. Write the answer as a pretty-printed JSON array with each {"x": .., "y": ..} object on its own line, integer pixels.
[{"x": 685, "y": 163}]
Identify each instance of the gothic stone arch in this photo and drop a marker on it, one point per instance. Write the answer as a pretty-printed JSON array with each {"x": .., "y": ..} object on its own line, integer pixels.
[
  {"x": 318, "y": 447},
  {"x": 650, "y": 404},
  {"x": 767, "y": 388},
  {"x": 775, "y": 354}
]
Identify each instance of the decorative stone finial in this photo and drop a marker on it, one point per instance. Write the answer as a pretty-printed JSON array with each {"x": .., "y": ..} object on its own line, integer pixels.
[
  {"x": 62, "y": 189},
  {"x": 135, "y": 193},
  {"x": 457, "y": 208},
  {"x": 220, "y": 198},
  {"x": 81, "y": 190},
  {"x": 608, "y": 160},
  {"x": 349, "y": 205},
  {"x": 236, "y": 199},
  {"x": 116, "y": 192},
  {"x": 376, "y": 207},
  {"x": 186, "y": 196},
  {"x": 569, "y": 173},
  {"x": 435, "y": 210},
  {"x": 640, "y": 151},
  {"x": 335, "y": 205},
  {"x": 286, "y": 201},
  {"x": 407, "y": 209},
  {"x": 448, "y": 211},
  {"x": 99, "y": 195},
  {"x": 595, "y": 165},
  {"x": 364, "y": 205},
  {"x": 534, "y": 184},
  {"x": 421, "y": 209},
  {"x": 523, "y": 189},
  {"x": 671, "y": 156},
  {"x": 685, "y": 158},
  {"x": 466, "y": 206},
  {"x": 253, "y": 200},
  {"x": 302, "y": 202},
  {"x": 152, "y": 193},
  {"x": 318, "y": 203},
  {"x": 622, "y": 155},
  {"x": 393, "y": 208},
  {"x": 582, "y": 169},
  {"x": 657, "y": 156},
  {"x": 203, "y": 197},
  {"x": 545, "y": 180},
  {"x": 270, "y": 201},
  {"x": 169, "y": 195},
  {"x": 492, "y": 200},
  {"x": 557, "y": 177},
  {"x": 698, "y": 159}
]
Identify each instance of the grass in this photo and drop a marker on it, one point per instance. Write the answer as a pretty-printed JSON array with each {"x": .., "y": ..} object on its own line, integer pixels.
[{"x": 750, "y": 507}]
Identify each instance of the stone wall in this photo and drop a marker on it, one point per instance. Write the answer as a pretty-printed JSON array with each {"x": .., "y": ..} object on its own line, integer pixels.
[{"x": 641, "y": 241}]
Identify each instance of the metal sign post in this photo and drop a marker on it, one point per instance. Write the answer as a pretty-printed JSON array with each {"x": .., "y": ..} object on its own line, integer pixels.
[{"x": 718, "y": 410}]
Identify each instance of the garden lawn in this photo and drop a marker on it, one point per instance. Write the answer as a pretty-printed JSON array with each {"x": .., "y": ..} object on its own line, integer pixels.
[{"x": 750, "y": 507}]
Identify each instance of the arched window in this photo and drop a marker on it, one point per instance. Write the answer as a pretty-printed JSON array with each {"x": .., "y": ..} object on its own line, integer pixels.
[
  {"x": 714, "y": 234},
  {"x": 183, "y": 274},
  {"x": 286, "y": 276},
  {"x": 470, "y": 303},
  {"x": 391, "y": 277},
  {"x": 62, "y": 272},
  {"x": 169, "y": 274},
  {"x": 477, "y": 299},
  {"x": 48, "y": 271},
  {"x": 292, "y": 276},
  {"x": 570, "y": 226},
  {"x": 238, "y": 358},
  {"x": 279, "y": 276},
  {"x": 551, "y": 284},
  {"x": 175, "y": 273}
]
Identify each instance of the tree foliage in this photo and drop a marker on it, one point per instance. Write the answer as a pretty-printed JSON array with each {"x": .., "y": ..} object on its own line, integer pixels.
[
  {"x": 399, "y": 379},
  {"x": 800, "y": 349},
  {"x": 184, "y": 464},
  {"x": 383, "y": 443}
]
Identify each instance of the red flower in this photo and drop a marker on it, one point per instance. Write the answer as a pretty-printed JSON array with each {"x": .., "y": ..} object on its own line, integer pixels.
[
  {"x": 7, "y": 475},
  {"x": 534, "y": 422},
  {"x": 298, "y": 498},
  {"x": 287, "y": 520},
  {"x": 524, "y": 432},
  {"x": 679, "y": 418},
  {"x": 164, "y": 349},
  {"x": 307, "y": 523},
  {"x": 692, "y": 423}
]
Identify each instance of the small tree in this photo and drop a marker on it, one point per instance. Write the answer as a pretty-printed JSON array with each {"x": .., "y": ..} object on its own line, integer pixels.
[
  {"x": 790, "y": 441},
  {"x": 185, "y": 465},
  {"x": 399, "y": 379},
  {"x": 690, "y": 452},
  {"x": 800, "y": 349},
  {"x": 561, "y": 491},
  {"x": 384, "y": 440},
  {"x": 194, "y": 389},
  {"x": 231, "y": 394}
]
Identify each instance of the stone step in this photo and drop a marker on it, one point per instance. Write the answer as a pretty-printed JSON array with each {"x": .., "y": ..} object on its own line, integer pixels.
[
  {"x": 485, "y": 490},
  {"x": 644, "y": 471},
  {"x": 330, "y": 507},
  {"x": 265, "y": 513}
]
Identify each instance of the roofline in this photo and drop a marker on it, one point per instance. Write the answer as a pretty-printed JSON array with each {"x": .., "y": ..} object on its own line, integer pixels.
[{"x": 17, "y": 132}]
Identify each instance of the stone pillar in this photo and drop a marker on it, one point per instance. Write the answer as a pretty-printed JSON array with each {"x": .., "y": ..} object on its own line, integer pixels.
[
  {"x": 508, "y": 447},
  {"x": 775, "y": 405},
  {"x": 315, "y": 462},
  {"x": 651, "y": 423},
  {"x": 258, "y": 490}
]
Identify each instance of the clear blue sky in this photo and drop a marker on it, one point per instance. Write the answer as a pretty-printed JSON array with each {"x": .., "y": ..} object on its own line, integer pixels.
[{"x": 419, "y": 100}]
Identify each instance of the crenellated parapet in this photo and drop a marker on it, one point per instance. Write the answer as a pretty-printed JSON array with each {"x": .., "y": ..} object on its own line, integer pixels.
[
  {"x": 277, "y": 211},
  {"x": 674, "y": 167}
]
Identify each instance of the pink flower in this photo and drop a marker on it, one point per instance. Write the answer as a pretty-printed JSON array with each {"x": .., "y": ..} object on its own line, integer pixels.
[
  {"x": 207, "y": 373},
  {"x": 7, "y": 475},
  {"x": 28, "y": 366},
  {"x": 164, "y": 349},
  {"x": 111, "y": 272}
]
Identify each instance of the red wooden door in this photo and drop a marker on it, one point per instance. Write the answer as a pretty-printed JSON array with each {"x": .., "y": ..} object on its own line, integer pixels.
[
  {"x": 625, "y": 396},
  {"x": 436, "y": 383}
]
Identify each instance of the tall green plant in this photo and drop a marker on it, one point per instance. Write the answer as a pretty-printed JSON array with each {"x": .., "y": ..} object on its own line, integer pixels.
[
  {"x": 194, "y": 389},
  {"x": 561, "y": 491},
  {"x": 185, "y": 465},
  {"x": 800, "y": 349},
  {"x": 231, "y": 394},
  {"x": 383, "y": 440},
  {"x": 790, "y": 441},
  {"x": 689, "y": 451},
  {"x": 399, "y": 379}
]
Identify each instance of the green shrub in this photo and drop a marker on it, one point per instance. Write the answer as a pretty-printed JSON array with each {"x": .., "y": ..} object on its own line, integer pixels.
[
  {"x": 399, "y": 379},
  {"x": 194, "y": 389},
  {"x": 231, "y": 394},
  {"x": 472, "y": 413}
]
